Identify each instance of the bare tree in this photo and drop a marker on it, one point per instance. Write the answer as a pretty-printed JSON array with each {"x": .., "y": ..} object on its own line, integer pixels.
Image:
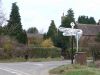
[{"x": 2, "y": 16}]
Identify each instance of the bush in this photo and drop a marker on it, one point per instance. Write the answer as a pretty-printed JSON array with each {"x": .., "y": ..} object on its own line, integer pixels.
[
  {"x": 38, "y": 52},
  {"x": 7, "y": 46},
  {"x": 47, "y": 43},
  {"x": 95, "y": 51}
]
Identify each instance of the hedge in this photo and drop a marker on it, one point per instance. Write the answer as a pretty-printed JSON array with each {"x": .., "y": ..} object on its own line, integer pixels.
[{"x": 38, "y": 52}]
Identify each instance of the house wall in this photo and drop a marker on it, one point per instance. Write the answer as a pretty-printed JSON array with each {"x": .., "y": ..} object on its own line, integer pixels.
[{"x": 85, "y": 41}]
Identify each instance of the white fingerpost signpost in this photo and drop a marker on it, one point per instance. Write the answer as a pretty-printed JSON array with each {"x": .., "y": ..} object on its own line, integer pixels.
[{"x": 72, "y": 32}]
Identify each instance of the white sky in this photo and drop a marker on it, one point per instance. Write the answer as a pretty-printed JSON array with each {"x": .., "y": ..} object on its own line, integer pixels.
[{"x": 39, "y": 13}]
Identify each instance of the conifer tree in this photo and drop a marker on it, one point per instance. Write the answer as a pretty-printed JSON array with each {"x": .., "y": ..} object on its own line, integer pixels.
[
  {"x": 52, "y": 32},
  {"x": 92, "y": 20},
  {"x": 86, "y": 20},
  {"x": 14, "y": 26}
]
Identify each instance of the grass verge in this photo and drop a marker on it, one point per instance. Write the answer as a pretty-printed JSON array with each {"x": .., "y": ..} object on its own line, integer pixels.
[
  {"x": 29, "y": 60},
  {"x": 75, "y": 70}
]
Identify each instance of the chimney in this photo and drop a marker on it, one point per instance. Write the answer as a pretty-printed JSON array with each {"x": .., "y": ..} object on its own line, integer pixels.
[{"x": 62, "y": 17}]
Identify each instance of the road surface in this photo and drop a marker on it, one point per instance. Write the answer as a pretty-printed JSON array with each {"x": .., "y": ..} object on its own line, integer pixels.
[{"x": 29, "y": 68}]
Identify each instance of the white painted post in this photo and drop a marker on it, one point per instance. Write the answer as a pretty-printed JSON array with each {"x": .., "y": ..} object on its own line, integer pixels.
[{"x": 77, "y": 41}]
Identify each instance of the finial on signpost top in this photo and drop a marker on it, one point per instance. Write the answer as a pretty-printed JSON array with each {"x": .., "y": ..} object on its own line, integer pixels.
[{"x": 72, "y": 25}]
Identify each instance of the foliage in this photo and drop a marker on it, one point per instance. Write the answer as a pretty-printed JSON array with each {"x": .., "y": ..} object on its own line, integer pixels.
[
  {"x": 86, "y": 20},
  {"x": 80, "y": 72},
  {"x": 7, "y": 44},
  {"x": 2, "y": 16},
  {"x": 45, "y": 36},
  {"x": 21, "y": 59},
  {"x": 9, "y": 51},
  {"x": 97, "y": 39},
  {"x": 32, "y": 30},
  {"x": 47, "y": 43},
  {"x": 64, "y": 41},
  {"x": 75, "y": 70},
  {"x": 92, "y": 20},
  {"x": 95, "y": 51},
  {"x": 7, "y": 47},
  {"x": 35, "y": 41},
  {"x": 1, "y": 30},
  {"x": 46, "y": 52},
  {"x": 14, "y": 23},
  {"x": 14, "y": 26},
  {"x": 23, "y": 37},
  {"x": 74, "y": 50},
  {"x": 38, "y": 52},
  {"x": 52, "y": 32}
]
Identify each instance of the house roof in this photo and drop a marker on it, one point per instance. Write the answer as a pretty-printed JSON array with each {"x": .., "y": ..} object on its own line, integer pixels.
[
  {"x": 89, "y": 29},
  {"x": 30, "y": 35}
]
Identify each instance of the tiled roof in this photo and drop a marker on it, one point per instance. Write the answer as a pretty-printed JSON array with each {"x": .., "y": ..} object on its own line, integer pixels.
[
  {"x": 89, "y": 29},
  {"x": 34, "y": 35}
]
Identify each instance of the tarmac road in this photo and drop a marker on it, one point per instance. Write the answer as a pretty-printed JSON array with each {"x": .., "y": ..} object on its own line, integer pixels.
[{"x": 29, "y": 68}]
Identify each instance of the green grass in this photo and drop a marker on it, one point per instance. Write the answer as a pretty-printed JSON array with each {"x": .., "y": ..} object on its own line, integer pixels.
[
  {"x": 12, "y": 60},
  {"x": 75, "y": 70},
  {"x": 30, "y": 59},
  {"x": 79, "y": 72}
]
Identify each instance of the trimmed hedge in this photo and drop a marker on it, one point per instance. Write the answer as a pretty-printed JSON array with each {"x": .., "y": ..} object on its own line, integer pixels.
[{"x": 38, "y": 52}]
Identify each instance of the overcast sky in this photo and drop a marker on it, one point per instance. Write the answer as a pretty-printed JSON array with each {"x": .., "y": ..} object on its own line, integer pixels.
[{"x": 39, "y": 13}]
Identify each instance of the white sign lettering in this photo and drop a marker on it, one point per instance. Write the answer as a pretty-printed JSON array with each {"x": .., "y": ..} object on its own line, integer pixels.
[{"x": 72, "y": 32}]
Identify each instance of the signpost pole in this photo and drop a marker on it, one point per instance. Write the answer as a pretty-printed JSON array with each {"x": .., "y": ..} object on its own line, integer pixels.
[
  {"x": 72, "y": 53},
  {"x": 77, "y": 41},
  {"x": 72, "y": 32}
]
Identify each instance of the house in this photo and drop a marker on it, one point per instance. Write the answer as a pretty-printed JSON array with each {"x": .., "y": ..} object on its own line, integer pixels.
[
  {"x": 32, "y": 38},
  {"x": 89, "y": 34}
]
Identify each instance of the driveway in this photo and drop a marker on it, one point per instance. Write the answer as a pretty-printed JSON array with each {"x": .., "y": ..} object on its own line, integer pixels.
[{"x": 29, "y": 68}]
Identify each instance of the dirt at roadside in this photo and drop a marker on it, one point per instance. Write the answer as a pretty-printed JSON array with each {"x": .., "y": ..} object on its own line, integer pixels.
[{"x": 97, "y": 63}]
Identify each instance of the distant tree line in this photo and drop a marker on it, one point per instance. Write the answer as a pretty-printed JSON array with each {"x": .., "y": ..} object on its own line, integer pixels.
[
  {"x": 86, "y": 20},
  {"x": 33, "y": 30},
  {"x": 64, "y": 42}
]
